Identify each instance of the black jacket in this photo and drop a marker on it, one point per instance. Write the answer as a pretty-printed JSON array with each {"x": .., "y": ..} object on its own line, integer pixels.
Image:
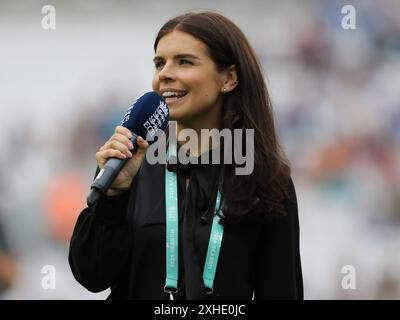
[{"x": 120, "y": 244}]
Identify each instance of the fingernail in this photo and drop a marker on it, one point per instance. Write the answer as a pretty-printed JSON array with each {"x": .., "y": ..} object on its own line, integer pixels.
[
  {"x": 130, "y": 146},
  {"x": 140, "y": 139}
]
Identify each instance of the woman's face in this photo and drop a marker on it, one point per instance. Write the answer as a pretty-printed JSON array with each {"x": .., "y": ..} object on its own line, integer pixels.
[{"x": 187, "y": 77}]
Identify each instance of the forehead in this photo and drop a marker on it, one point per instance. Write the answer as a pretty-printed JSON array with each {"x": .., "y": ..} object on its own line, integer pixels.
[{"x": 177, "y": 42}]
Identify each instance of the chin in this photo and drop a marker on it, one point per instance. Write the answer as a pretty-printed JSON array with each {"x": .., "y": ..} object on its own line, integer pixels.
[{"x": 173, "y": 116}]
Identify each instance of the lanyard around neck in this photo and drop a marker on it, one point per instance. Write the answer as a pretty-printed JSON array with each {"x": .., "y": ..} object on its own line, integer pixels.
[{"x": 172, "y": 226}]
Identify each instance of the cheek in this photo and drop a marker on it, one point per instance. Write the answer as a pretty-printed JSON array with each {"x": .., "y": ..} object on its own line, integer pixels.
[
  {"x": 205, "y": 85},
  {"x": 155, "y": 83},
  {"x": 196, "y": 79}
]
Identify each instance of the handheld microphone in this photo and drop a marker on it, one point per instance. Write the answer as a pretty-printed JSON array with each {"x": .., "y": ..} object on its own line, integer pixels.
[{"x": 148, "y": 114}]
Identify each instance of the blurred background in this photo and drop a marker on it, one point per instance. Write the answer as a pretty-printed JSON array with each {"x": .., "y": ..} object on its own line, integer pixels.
[{"x": 336, "y": 96}]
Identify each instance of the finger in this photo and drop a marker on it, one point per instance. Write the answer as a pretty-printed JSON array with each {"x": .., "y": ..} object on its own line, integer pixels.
[
  {"x": 103, "y": 156},
  {"x": 124, "y": 131},
  {"x": 123, "y": 139},
  {"x": 114, "y": 144}
]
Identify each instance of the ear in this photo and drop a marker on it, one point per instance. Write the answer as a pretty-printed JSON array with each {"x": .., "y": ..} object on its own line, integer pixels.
[{"x": 230, "y": 79}]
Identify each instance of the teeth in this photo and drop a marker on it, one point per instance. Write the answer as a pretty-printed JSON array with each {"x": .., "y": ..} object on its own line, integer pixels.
[{"x": 173, "y": 94}]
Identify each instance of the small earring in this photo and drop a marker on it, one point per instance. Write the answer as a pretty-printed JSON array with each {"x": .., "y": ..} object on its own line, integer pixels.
[{"x": 223, "y": 90}]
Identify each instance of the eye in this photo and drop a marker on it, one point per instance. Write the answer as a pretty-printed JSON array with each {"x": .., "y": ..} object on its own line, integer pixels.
[
  {"x": 159, "y": 64},
  {"x": 185, "y": 61}
]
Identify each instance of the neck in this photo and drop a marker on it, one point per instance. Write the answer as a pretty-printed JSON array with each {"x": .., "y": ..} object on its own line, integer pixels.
[{"x": 197, "y": 145}]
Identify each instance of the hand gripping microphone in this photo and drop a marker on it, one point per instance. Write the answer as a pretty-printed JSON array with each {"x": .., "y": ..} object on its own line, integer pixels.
[{"x": 146, "y": 115}]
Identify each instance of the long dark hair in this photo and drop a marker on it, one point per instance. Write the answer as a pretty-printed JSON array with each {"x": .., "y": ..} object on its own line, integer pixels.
[{"x": 248, "y": 106}]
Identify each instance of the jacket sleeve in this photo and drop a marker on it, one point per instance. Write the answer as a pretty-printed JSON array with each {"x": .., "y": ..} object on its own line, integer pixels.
[
  {"x": 279, "y": 274},
  {"x": 101, "y": 243}
]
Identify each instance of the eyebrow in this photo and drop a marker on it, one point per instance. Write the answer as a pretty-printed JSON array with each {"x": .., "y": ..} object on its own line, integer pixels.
[{"x": 178, "y": 56}]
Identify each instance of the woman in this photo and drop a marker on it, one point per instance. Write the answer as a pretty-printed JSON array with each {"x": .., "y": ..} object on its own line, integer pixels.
[{"x": 120, "y": 243}]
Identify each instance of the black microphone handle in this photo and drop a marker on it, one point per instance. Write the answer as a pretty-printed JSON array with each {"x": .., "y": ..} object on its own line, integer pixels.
[{"x": 107, "y": 175}]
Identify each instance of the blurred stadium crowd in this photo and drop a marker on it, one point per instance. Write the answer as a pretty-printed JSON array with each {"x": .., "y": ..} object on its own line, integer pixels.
[{"x": 336, "y": 97}]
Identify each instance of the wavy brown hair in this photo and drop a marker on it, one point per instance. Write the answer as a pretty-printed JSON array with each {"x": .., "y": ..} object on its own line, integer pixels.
[{"x": 248, "y": 106}]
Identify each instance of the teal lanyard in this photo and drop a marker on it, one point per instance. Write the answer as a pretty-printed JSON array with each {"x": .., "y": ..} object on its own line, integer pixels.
[{"x": 172, "y": 225}]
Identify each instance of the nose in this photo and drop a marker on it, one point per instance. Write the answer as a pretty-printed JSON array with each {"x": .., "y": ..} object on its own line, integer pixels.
[{"x": 166, "y": 74}]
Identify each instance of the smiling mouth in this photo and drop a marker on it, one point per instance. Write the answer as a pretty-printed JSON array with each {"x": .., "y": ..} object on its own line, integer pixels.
[{"x": 173, "y": 96}]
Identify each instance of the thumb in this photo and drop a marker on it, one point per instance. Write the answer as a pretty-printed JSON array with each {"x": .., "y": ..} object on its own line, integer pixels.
[{"x": 142, "y": 145}]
